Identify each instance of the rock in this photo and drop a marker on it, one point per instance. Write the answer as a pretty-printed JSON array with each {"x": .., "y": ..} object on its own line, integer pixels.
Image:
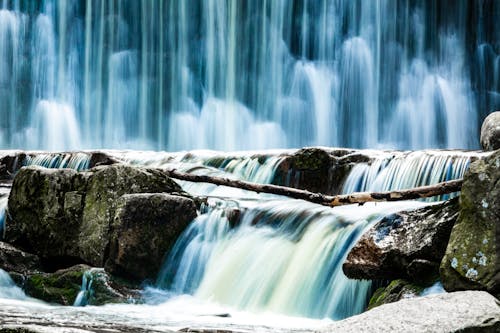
[
  {"x": 467, "y": 311},
  {"x": 63, "y": 286},
  {"x": 472, "y": 258},
  {"x": 395, "y": 291},
  {"x": 307, "y": 169},
  {"x": 103, "y": 188},
  {"x": 490, "y": 132},
  {"x": 408, "y": 245},
  {"x": 98, "y": 158},
  {"x": 145, "y": 227},
  {"x": 37, "y": 221},
  {"x": 15, "y": 260}
]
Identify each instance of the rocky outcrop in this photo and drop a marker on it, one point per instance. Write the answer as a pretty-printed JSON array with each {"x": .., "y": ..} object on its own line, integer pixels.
[
  {"x": 104, "y": 185},
  {"x": 63, "y": 286},
  {"x": 467, "y": 311},
  {"x": 472, "y": 259},
  {"x": 145, "y": 227},
  {"x": 65, "y": 217},
  {"x": 490, "y": 132},
  {"x": 408, "y": 245}
]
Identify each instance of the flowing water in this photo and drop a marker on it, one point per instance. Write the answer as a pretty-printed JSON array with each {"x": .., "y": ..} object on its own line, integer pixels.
[
  {"x": 239, "y": 75},
  {"x": 235, "y": 75}
]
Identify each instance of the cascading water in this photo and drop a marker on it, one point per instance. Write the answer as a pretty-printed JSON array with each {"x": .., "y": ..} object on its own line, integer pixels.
[
  {"x": 285, "y": 256},
  {"x": 233, "y": 75}
]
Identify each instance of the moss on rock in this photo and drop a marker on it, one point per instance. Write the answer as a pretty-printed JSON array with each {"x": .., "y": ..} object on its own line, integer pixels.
[
  {"x": 471, "y": 260},
  {"x": 395, "y": 291}
]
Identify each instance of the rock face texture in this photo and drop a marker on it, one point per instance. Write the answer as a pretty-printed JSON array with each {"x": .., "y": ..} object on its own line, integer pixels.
[
  {"x": 37, "y": 219},
  {"x": 472, "y": 258},
  {"x": 395, "y": 291},
  {"x": 490, "y": 132},
  {"x": 406, "y": 245},
  {"x": 467, "y": 311},
  {"x": 66, "y": 217},
  {"x": 15, "y": 260},
  {"x": 104, "y": 186},
  {"x": 145, "y": 227}
]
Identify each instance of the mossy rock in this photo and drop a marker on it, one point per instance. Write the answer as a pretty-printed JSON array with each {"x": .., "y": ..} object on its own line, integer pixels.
[
  {"x": 63, "y": 286},
  {"x": 37, "y": 221},
  {"x": 395, "y": 291},
  {"x": 104, "y": 186},
  {"x": 471, "y": 260}
]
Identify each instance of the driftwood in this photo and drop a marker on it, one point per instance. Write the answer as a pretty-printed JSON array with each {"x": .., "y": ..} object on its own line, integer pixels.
[{"x": 322, "y": 199}]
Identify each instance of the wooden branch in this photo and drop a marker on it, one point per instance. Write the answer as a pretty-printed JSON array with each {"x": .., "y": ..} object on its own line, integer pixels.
[{"x": 322, "y": 199}]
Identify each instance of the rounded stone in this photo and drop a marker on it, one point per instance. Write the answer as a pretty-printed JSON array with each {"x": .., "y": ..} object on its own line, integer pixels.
[{"x": 490, "y": 132}]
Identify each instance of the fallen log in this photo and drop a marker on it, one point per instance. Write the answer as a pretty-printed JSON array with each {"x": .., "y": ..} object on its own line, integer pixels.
[{"x": 322, "y": 199}]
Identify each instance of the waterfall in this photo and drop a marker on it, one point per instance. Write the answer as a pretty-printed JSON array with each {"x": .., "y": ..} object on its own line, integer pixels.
[
  {"x": 8, "y": 288},
  {"x": 233, "y": 75}
]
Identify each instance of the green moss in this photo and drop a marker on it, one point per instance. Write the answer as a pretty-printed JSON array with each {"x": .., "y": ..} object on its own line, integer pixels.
[
  {"x": 310, "y": 159},
  {"x": 395, "y": 291}
]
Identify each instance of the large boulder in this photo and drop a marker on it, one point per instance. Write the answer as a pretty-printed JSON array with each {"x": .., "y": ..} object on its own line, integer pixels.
[
  {"x": 408, "y": 245},
  {"x": 104, "y": 187},
  {"x": 145, "y": 227},
  {"x": 466, "y": 311},
  {"x": 37, "y": 221},
  {"x": 490, "y": 132},
  {"x": 472, "y": 257}
]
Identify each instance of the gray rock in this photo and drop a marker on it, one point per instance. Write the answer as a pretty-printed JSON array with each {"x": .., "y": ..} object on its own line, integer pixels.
[
  {"x": 15, "y": 260},
  {"x": 472, "y": 258},
  {"x": 467, "y": 311},
  {"x": 36, "y": 220},
  {"x": 105, "y": 185},
  {"x": 407, "y": 245},
  {"x": 490, "y": 132},
  {"x": 145, "y": 227}
]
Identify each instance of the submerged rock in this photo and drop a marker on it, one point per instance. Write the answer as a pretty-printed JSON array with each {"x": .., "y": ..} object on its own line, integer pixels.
[
  {"x": 104, "y": 186},
  {"x": 64, "y": 285},
  {"x": 145, "y": 227},
  {"x": 490, "y": 132},
  {"x": 407, "y": 245},
  {"x": 472, "y": 257},
  {"x": 467, "y": 311}
]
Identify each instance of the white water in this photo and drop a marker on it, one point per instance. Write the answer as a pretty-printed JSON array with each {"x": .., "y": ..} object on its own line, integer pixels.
[
  {"x": 284, "y": 257},
  {"x": 234, "y": 75}
]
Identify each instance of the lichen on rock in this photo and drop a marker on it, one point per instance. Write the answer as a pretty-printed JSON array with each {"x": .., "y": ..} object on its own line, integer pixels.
[{"x": 471, "y": 260}]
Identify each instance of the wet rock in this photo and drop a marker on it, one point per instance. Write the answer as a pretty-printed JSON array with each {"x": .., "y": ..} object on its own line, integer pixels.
[
  {"x": 103, "y": 188},
  {"x": 307, "y": 169},
  {"x": 99, "y": 158},
  {"x": 467, "y": 311},
  {"x": 395, "y": 291},
  {"x": 145, "y": 227},
  {"x": 15, "y": 260},
  {"x": 37, "y": 221},
  {"x": 472, "y": 258},
  {"x": 407, "y": 245},
  {"x": 490, "y": 132},
  {"x": 63, "y": 286}
]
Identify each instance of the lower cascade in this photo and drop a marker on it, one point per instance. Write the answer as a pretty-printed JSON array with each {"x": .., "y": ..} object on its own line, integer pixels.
[{"x": 284, "y": 256}]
